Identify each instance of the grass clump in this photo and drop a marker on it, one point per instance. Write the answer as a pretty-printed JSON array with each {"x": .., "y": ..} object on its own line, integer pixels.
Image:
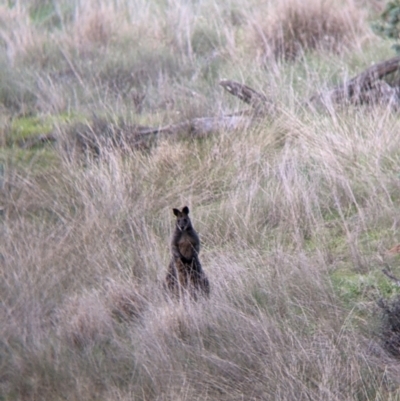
[
  {"x": 16, "y": 92},
  {"x": 294, "y": 27}
]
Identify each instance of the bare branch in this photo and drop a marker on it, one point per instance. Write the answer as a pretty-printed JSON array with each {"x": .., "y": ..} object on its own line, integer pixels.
[
  {"x": 367, "y": 87},
  {"x": 248, "y": 95},
  {"x": 391, "y": 276}
]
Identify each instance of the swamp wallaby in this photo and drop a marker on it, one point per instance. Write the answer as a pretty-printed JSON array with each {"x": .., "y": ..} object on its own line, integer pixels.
[{"x": 185, "y": 273}]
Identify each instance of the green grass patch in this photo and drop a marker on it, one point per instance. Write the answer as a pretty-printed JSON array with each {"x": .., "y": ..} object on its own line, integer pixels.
[
  {"x": 354, "y": 288},
  {"x": 48, "y": 15},
  {"x": 35, "y": 160},
  {"x": 26, "y": 127},
  {"x": 23, "y": 128}
]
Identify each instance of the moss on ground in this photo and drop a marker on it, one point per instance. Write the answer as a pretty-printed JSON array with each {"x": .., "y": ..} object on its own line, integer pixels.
[
  {"x": 23, "y": 128},
  {"x": 27, "y": 127}
]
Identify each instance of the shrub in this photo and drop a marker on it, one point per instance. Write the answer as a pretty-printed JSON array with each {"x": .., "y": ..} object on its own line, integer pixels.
[{"x": 388, "y": 24}]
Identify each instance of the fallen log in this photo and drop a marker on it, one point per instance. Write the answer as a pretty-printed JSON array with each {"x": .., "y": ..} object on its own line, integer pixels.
[
  {"x": 260, "y": 103},
  {"x": 198, "y": 126},
  {"x": 368, "y": 87},
  {"x": 100, "y": 133}
]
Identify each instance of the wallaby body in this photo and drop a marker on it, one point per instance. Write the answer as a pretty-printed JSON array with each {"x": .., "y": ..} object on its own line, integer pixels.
[{"x": 185, "y": 273}]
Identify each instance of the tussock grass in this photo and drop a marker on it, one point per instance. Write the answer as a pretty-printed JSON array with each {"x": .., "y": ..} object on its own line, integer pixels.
[
  {"x": 290, "y": 28},
  {"x": 294, "y": 212},
  {"x": 86, "y": 251}
]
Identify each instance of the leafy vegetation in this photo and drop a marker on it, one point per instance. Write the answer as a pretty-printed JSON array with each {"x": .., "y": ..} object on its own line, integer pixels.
[{"x": 388, "y": 24}]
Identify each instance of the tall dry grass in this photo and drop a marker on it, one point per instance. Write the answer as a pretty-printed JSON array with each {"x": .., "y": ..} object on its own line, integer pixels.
[
  {"x": 289, "y": 29},
  {"x": 159, "y": 57},
  {"x": 294, "y": 214},
  {"x": 85, "y": 252}
]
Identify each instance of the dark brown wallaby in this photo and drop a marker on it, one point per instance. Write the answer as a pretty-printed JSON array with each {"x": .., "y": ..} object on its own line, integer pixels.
[{"x": 185, "y": 273}]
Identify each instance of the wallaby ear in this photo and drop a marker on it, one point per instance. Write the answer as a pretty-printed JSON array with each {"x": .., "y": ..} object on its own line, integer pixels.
[
  {"x": 176, "y": 212},
  {"x": 185, "y": 210}
]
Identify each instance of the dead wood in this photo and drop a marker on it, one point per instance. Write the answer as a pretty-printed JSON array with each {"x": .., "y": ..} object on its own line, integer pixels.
[
  {"x": 368, "y": 87},
  {"x": 100, "y": 133},
  {"x": 258, "y": 101},
  {"x": 391, "y": 276},
  {"x": 198, "y": 126}
]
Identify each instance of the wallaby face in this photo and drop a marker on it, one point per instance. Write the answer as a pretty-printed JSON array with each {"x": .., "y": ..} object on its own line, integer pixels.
[{"x": 182, "y": 219}]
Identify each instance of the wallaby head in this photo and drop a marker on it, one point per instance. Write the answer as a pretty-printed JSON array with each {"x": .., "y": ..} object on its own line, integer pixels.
[{"x": 182, "y": 219}]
